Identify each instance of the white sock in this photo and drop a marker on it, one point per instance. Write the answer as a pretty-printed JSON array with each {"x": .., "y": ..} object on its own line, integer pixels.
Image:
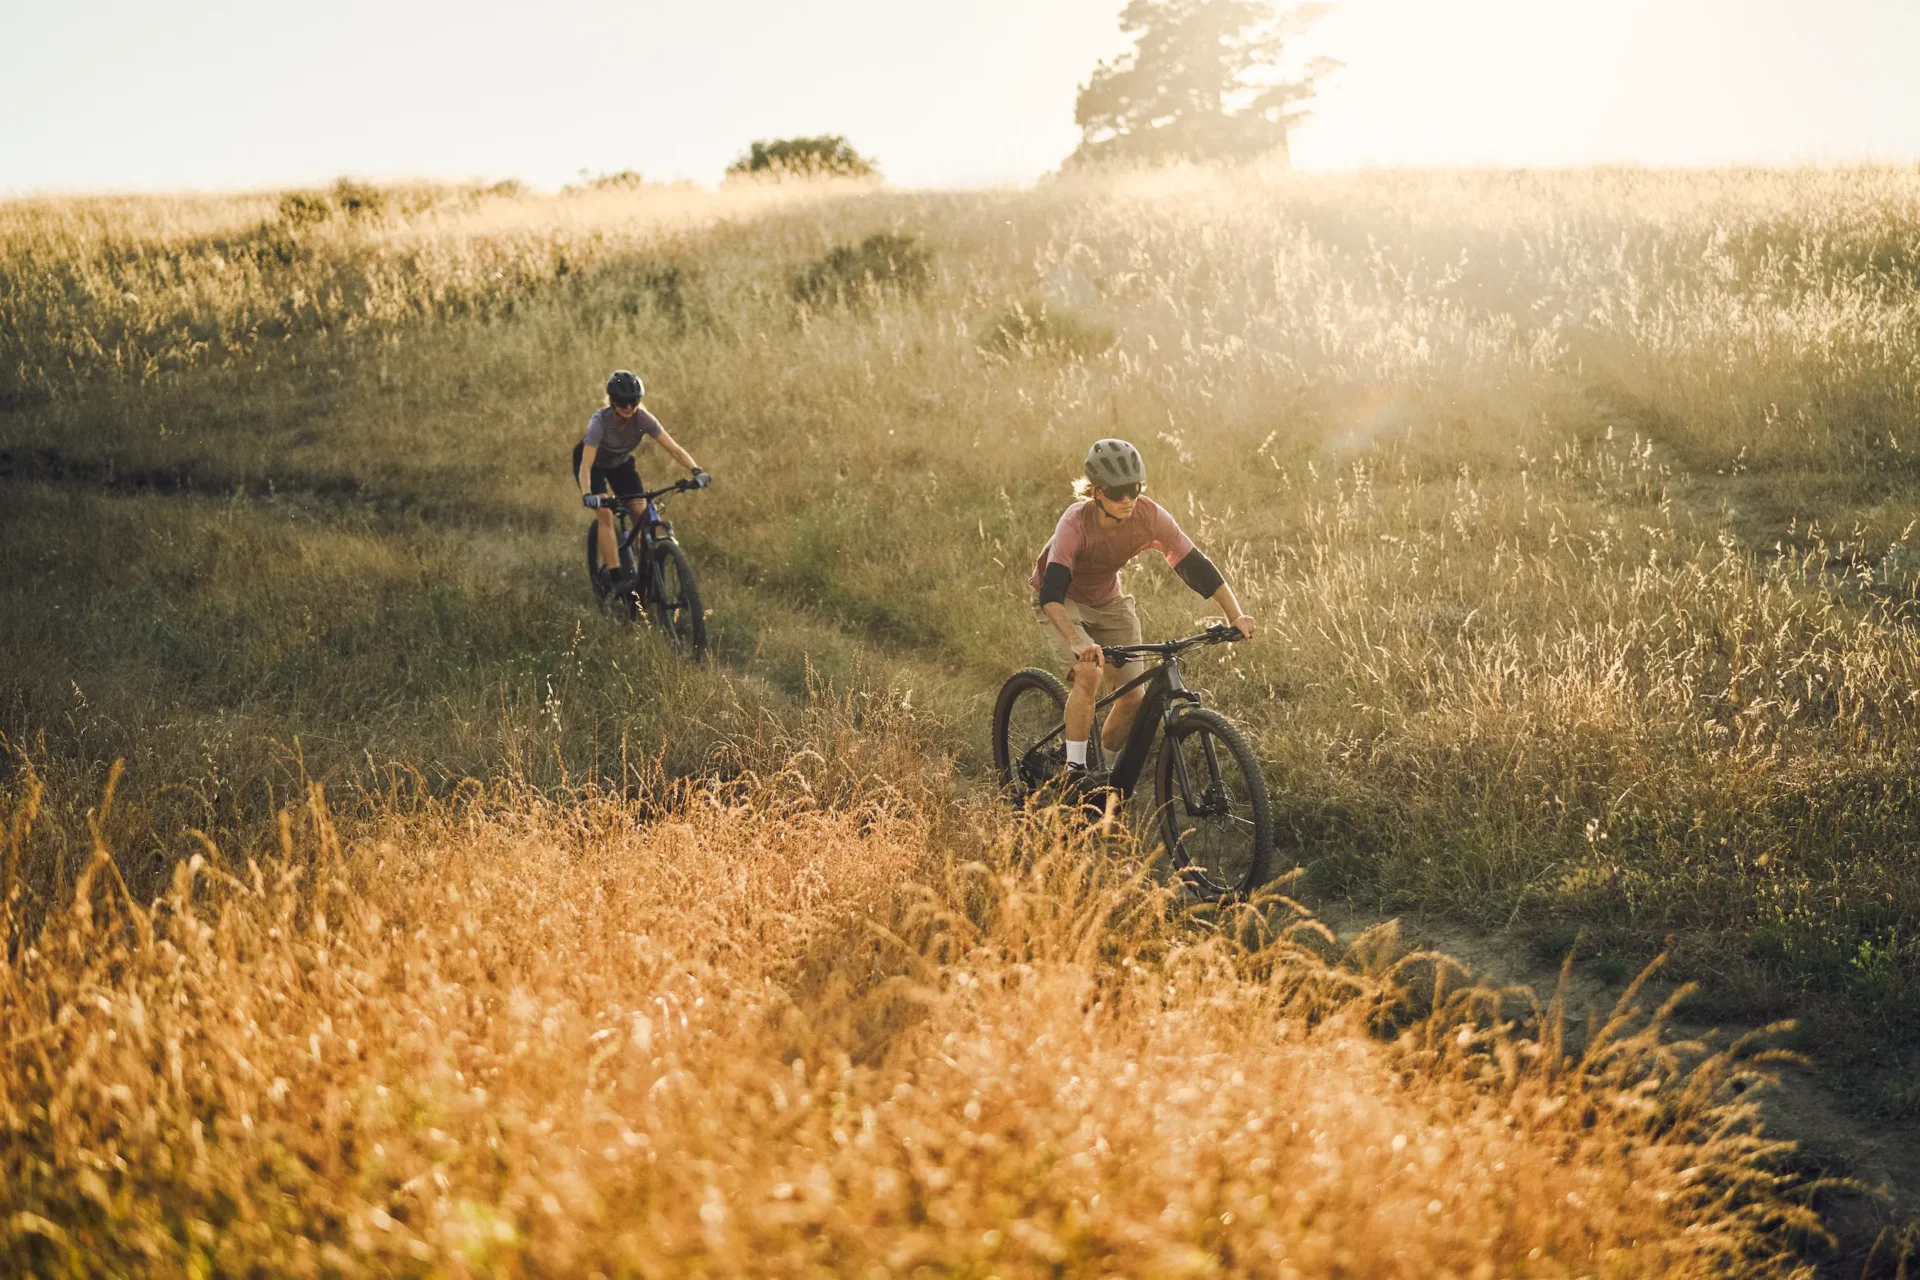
[{"x": 1077, "y": 753}]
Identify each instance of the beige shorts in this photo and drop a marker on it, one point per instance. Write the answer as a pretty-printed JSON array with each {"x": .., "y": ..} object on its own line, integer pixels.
[{"x": 1115, "y": 622}]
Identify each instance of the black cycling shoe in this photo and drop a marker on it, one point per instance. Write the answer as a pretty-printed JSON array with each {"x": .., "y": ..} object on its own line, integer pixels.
[
  {"x": 1081, "y": 778},
  {"x": 619, "y": 580},
  {"x": 1088, "y": 788}
]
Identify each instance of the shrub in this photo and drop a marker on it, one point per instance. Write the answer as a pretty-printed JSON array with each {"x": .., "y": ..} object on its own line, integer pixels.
[
  {"x": 303, "y": 208},
  {"x": 666, "y": 285},
  {"x": 828, "y": 155},
  {"x": 1030, "y": 327},
  {"x": 359, "y": 199},
  {"x": 625, "y": 180},
  {"x": 884, "y": 262}
]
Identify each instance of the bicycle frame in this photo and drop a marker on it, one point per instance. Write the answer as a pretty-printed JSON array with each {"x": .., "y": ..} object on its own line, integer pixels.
[
  {"x": 1166, "y": 695},
  {"x": 648, "y": 523}
]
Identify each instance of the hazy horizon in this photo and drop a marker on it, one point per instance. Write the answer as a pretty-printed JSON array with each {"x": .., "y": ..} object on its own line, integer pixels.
[{"x": 222, "y": 97}]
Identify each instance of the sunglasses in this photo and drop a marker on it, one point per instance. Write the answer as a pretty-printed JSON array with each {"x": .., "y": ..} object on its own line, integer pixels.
[
  {"x": 1122, "y": 492},
  {"x": 626, "y": 404}
]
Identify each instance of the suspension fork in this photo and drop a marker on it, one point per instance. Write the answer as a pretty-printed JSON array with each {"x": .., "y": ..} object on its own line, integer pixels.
[{"x": 1182, "y": 779}]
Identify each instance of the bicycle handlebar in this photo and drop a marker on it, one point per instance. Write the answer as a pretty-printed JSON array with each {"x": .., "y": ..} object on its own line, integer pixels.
[
  {"x": 612, "y": 502},
  {"x": 1219, "y": 633}
]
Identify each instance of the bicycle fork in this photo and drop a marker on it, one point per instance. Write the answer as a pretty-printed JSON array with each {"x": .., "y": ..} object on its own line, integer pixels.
[{"x": 1158, "y": 710}]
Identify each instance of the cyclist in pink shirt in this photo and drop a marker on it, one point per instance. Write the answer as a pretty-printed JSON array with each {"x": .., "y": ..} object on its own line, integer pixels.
[{"x": 1077, "y": 596}]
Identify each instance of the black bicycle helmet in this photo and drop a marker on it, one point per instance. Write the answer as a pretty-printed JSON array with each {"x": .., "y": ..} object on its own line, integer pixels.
[
  {"x": 624, "y": 387},
  {"x": 1113, "y": 463}
]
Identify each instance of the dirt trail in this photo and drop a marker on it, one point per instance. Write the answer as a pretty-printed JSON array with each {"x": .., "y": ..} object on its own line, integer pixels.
[{"x": 1806, "y": 1107}]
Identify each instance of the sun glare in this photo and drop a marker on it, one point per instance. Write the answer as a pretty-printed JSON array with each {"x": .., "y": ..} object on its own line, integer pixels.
[
  {"x": 942, "y": 96},
  {"x": 1576, "y": 82}
]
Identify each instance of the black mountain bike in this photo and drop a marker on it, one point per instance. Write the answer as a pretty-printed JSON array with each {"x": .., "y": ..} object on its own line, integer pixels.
[
  {"x": 1210, "y": 807},
  {"x": 660, "y": 586}
]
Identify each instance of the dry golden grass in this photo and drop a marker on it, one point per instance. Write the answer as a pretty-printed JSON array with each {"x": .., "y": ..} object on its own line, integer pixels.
[
  {"x": 746, "y": 1034},
  {"x": 1573, "y": 508}
]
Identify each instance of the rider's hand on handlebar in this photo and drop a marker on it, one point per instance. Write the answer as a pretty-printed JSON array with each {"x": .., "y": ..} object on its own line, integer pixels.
[
  {"x": 590, "y": 500},
  {"x": 1088, "y": 652},
  {"x": 700, "y": 478},
  {"x": 1245, "y": 625}
]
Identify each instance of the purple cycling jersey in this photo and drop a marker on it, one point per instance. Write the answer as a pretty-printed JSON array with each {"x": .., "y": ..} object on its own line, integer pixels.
[{"x": 616, "y": 438}]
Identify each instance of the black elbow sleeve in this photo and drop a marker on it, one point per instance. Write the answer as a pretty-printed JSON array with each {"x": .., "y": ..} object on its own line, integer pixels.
[
  {"x": 1198, "y": 572},
  {"x": 1053, "y": 584}
]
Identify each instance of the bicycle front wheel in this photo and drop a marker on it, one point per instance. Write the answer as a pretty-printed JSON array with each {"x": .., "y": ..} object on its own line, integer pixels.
[
  {"x": 1031, "y": 706},
  {"x": 1212, "y": 808},
  {"x": 674, "y": 604}
]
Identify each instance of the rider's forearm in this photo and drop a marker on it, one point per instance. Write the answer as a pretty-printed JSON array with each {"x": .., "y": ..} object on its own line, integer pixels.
[
  {"x": 1057, "y": 615},
  {"x": 587, "y": 455},
  {"x": 678, "y": 454},
  {"x": 1228, "y": 602}
]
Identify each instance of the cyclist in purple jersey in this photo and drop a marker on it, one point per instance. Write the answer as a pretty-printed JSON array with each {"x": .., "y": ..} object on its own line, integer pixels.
[
  {"x": 604, "y": 457},
  {"x": 1076, "y": 584}
]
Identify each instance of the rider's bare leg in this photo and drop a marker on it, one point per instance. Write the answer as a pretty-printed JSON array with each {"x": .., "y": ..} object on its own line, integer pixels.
[
  {"x": 609, "y": 545},
  {"x": 1113, "y": 735},
  {"x": 1085, "y": 691}
]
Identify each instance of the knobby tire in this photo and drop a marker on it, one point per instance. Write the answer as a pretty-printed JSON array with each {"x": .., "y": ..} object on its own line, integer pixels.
[
  {"x": 1037, "y": 697},
  {"x": 675, "y": 606},
  {"x": 1233, "y": 855}
]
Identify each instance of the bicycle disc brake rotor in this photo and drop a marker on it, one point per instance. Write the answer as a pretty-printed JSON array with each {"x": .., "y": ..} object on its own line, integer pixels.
[{"x": 1213, "y": 804}]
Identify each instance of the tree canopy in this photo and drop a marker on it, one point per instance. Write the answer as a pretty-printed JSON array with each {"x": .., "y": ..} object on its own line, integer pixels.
[
  {"x": 828, "y": 155},
  {"x": 1202, "y": 82}
]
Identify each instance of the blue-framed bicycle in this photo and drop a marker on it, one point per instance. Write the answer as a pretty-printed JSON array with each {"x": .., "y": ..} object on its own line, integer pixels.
[{"x": 657, "y": 582}]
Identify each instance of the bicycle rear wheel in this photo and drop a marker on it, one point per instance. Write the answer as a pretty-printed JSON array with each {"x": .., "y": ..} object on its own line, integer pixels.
[
  {"x": 628, "y": 605},
  {"x": 1030, "y": 707},
  {"x": 1211, "y": 804},
  {"x": 674, "y": 601}
]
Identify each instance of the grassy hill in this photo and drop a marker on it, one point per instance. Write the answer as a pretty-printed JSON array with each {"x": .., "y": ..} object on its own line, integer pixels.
[{"x": 1575, "y": 510}]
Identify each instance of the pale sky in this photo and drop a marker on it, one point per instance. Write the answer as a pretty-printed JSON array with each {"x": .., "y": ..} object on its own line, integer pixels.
[{"x": 134, "y": 94}]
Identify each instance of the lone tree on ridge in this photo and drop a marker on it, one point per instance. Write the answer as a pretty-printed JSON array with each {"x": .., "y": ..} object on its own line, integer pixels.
[
  {"x": 828, "y": 155},
  {"x": 1201, "y": 83}
]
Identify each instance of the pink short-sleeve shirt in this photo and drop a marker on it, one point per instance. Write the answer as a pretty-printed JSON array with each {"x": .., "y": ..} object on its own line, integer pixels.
[{"x": 1094, "y": 551}]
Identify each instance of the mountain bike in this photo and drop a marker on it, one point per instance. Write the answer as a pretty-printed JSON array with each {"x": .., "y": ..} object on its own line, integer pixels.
[
  {"x": 1210, "y": 808},
  {"x": 661, "y": 586}
]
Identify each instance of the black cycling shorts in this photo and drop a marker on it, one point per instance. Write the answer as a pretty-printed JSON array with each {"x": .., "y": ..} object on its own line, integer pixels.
[{"x": 623, "y": 477}]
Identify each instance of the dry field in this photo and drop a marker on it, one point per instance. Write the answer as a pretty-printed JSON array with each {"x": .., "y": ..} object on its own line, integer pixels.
[
  {"x": 1576, "y": 510},
  {"x": 753, "y": 1035}
]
